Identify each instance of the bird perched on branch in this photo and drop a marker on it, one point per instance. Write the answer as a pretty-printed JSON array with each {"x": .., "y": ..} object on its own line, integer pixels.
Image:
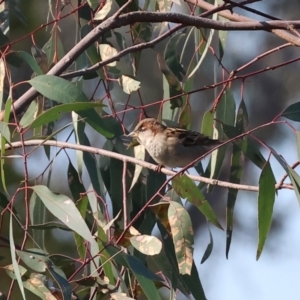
[{"x": 170, "y": 146}]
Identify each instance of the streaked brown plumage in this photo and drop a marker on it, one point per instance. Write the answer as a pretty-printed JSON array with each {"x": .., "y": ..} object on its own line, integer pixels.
[{"x": 171, "y": 147}]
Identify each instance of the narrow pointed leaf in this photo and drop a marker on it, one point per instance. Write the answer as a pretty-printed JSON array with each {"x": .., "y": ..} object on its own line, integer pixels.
[
  {"x": 61, "y": 281},
  {"x": 187, "y": 189},
  {"x": 207, "y": 123},
  {"x": 292, "y": 112},
  {"x": 266, "y": 198},
  {"x": 4, "y": 130},
  {"x": 166, "y": 261},
  {"x": 209, "y": 247},
  {"x": 15, "y": 264},
  {"x": 34, "y": 258},
  {"x": 248, "y": 146},
  {"x": 295, "y": 178},
  {"x": 29, "y": 115},
  {"x": 63, "y": 208},
  {"x": 183, "y": 236},
  {"x": 58, "y": 89},
  {"x": 139, "y": 153},
  {"x": 3, "y": 142},
  {"x": 55, "y": 112},
  {"x": 236, "y": 170},
  {"x": 31, "y": 62},
  {"x": 194, "y": 284}
]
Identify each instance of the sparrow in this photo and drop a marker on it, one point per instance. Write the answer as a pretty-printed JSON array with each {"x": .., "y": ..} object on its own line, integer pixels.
[{"x": 171, "y": 147}]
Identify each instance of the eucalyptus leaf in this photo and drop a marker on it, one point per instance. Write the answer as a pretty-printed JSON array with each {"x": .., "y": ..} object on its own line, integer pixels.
[
  {"x": 292, "y": 112},
  {"x": 58, "y": 89},
  {"x": 266, "y": 198}
]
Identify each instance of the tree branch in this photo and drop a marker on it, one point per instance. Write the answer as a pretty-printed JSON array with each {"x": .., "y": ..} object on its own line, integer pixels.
[
  {"x": 133, "y": 160},
  {"x": 120, "y": 54},
  {"x": 153, "y": 17},
  {"x": 238, "y": 18}
]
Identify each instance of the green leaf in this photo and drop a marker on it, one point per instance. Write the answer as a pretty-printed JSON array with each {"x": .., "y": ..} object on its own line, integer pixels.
[
  {"x": 194, "y": 284},
  {"x": 222, "y": 38},
  {"x": 225, "y": 112},
  {"x": 34, "y": 258},
  {"x": 247, "y": 145},
  {"x": 91, "y": 51},
  {"x": 61, "y": 281},
  {"x": 11, "y": 272},
  {"x": 185, "y": 117},
  {"x": 58, "y": 89},
  {"x": 93, "y": 4},
  {"x": 55, "y": 112},
  {"x": 63, "y": 208},
  {"x": 143, "y": 275},
  {"x": 3, "y": 141},
  {"x": 235, "y": 173},
  {"x": 206, "y": 42},
  {"x": 266, "y": 198},
  {"x": 29, "y": 115},
  {"x": 142, "y": 32},
  {"x": 101, "y": 125},
  {"x": 183, "y": 236},
  {"x": 16, "y": 269},
  {"x": 166, "y": 262},
  {"x": 4, "y": 131},
  {"x": 295, "y": 178},
  {"x": 3, "y": 92},
  {"x": 226, "y": 115},
  {"x": 186, "y": 188},
  {"x": 41, "y": 59},
  {"x": 174, "y": 85},
  {"x": 242, "y": 119},
  {"x": 209, "y": 248},
  {"x": 54, "y": 48},
  {"x": 292, "y": 112},
  {"x": 79, "y": 193},
  {"x": 31, "y": 62},
  {"x": 171, "y": 56},
  {"x": 4, "y": 202},
  {"x": 236, "y": 170},
  {"x": 50, "y": 226},
  {"x": 207, "y": 123},
  {"x": 132, "y": 262}
]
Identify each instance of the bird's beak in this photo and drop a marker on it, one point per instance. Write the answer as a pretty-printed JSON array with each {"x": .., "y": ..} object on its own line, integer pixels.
[{"x": 132, "y": 134}]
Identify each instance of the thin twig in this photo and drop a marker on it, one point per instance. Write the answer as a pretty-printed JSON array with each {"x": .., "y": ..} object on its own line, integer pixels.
[
  {"x": 121, "y": 9},
  {"x": 122, "y": 53},
  {"x": 142, "y": 163},
  {"x": 239, "y": 18},
  {"x": 158, "y": 17}
]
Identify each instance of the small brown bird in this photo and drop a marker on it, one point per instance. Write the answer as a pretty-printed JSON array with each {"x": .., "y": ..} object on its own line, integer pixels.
[{"x": 171, "y": 147}]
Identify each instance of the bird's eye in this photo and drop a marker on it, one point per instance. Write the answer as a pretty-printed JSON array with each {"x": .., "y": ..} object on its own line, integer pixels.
[{"x": 141, "y": 129}]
